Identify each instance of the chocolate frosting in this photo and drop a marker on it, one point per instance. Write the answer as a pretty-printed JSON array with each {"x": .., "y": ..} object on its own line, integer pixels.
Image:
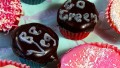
[
  {"x": 35, "y": 42},
  {"x": 82, "y": 16}
]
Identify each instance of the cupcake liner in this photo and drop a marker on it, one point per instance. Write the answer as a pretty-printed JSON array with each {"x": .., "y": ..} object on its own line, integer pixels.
[
  {"x": 105, "y": 45},
  {"x": 10, "y": 62},
  {"x": 32, "y": 2},
  {"x": 108, "y": 17},
  {"x": 73, "y": 36},
  {"x": 31, "y": 63}
]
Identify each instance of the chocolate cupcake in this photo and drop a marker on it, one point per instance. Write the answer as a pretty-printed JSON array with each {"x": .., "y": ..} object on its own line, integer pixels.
[
  {"x": 35, "y": 44},
  {"x": 77, "y": 19}
]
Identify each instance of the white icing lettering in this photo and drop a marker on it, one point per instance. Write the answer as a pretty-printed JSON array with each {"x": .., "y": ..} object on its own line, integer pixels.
[
  {"x": 47, "y": 35},
  {"x": 28, "y": 39},
  {"x": 29, "y": 52},
  {"x": 47, "y": 38},
  {"x": 68, "y": 5},
  {"x": 78, "y": 17},
  {"x": 71, "y": 15},
  {"x": 65, "y": 17},
  {"x": 33, "y": 31},
  {"x": 85, "y": 16},
  {"x": 94, "y": 17},
  {"x": 23, "y": 37},
  {"x": 80, "y": 4},
  {"x": 42, "y": 42}
]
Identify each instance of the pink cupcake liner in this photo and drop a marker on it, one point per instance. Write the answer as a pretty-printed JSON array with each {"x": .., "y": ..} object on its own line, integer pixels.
[
  {"x": 10, "y": 62},
  {"x": 105, "y": 45},
  {"x": 73, "y": 36}
]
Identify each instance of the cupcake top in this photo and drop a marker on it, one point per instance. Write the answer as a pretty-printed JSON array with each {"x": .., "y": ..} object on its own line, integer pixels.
[
  {"x": 77, "y": 15},
  {"x": 10, "y": 12},
  {"x": 113, "y": 14},
  {"x": 92, "y": 55},
  {"x": 35, "y": 42}
]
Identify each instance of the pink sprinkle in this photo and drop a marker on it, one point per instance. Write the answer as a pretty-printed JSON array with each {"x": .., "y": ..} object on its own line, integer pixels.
[{"x": 10, "y": 10}]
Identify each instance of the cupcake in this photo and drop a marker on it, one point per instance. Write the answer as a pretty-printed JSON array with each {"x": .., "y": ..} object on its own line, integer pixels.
[
  {"x": 10, "y": 12},
  {"x": 35, "y": 44},
  {"x": 92, "y": 55},
  {"x": 112, "y": 15},
  {"x": 77, "y": 18},
  {"x": 12, "y": 64},
  {"x": 32, "y": 2}
]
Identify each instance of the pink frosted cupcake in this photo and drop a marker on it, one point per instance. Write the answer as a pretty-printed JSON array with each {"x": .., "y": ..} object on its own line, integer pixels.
[
  {"x": 10, "y": 12},
  {"x": 92, "y": 55},
  {"x": 12, "y": 64},
  {"x": 113, "y": 14}
]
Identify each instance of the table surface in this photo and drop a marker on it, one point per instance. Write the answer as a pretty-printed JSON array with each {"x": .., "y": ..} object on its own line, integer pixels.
[{"x": 46, "y": 13}]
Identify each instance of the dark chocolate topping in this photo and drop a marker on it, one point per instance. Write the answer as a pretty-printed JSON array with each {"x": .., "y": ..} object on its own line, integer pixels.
[
  {"x": 35, "y": 42},
  {"x": 77, "y": 16}
]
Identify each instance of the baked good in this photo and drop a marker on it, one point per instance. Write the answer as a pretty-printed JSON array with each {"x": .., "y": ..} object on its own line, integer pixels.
[
  {"x": 77, "y": 18},
  {"x": 10, "y": 12},
  {"x": 35, "y": 44},
  {"x": 112, "y": 15},
  {"x": 92, "y": 55}
]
